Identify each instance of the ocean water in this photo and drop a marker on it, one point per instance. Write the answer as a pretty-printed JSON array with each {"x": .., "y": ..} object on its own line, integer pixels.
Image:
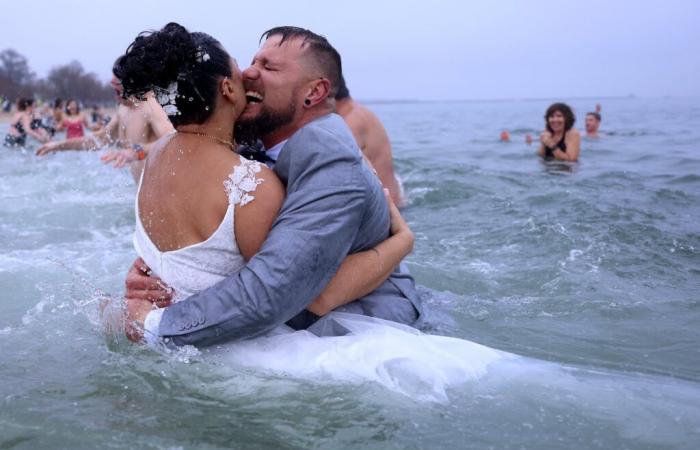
[{"x": 589, "y": 273}]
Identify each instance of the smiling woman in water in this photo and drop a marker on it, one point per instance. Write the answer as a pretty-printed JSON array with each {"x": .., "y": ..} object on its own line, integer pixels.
[{"x": 560, "y": 140}]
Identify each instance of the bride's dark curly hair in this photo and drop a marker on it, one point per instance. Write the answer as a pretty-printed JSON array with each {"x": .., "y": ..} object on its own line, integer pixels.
[{"x": 195, "y": 62}]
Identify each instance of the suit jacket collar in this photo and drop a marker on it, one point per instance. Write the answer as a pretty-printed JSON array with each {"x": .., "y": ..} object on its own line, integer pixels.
[{"x": 283, "y": 162}]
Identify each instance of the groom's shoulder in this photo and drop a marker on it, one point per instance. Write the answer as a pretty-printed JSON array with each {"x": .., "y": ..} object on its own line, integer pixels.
[
  {"x": 325, "y": 150},
  {"x": 328, "y": 133}
]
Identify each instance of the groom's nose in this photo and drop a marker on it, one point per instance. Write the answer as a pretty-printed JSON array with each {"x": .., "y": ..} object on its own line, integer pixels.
[{"x": 251, "y": 73}]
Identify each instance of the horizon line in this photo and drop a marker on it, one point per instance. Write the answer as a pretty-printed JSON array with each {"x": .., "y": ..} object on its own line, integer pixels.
[{"x": 525, "y": 99}]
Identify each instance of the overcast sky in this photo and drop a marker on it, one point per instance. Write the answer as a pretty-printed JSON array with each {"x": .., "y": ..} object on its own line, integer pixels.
[{"x": 469, "y": 49}]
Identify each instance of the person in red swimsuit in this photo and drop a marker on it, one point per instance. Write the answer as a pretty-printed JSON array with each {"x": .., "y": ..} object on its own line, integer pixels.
[{"x": 74, "y": 121}]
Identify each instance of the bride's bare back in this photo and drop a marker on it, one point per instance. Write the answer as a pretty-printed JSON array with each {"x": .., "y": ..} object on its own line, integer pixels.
[{"x": 182, "y": 199}]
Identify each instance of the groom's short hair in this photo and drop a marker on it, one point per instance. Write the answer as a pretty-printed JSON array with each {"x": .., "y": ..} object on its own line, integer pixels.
[{"x": 326, "y": 57}]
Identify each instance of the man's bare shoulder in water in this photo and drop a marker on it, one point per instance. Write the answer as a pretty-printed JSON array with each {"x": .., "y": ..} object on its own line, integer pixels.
[
  {"x": 139, "y": 124},
  {"x": 142, "y": 122},
  {"x": 373, "y": 140}
]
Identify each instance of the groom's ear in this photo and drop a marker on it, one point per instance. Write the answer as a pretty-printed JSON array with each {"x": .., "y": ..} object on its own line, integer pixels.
[{"x": 318, "y": 92}]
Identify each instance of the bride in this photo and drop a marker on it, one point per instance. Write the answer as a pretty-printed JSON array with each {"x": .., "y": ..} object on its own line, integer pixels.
[{"x": 202, "y": 211}]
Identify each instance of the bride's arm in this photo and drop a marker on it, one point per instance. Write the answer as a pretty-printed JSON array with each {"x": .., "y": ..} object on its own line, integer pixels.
[
  {"x": 363, "y": 272},
  {"x": 358, "y": 275},
  {"x": 254, "y": 219}
]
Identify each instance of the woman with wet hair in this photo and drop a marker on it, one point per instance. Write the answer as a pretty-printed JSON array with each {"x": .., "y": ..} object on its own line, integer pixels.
[
  {"x": 202, "y": 211},
  {"x": 560, "y": 140}
]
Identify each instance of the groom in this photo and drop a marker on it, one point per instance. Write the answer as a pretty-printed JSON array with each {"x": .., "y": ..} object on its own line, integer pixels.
[{"x": 334, "y": 207}]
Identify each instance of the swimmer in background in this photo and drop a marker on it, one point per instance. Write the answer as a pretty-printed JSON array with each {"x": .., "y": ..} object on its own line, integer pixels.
[
  {"x": 592, "y": 124},
  {"x": 593, "y": 120},
  {"x": 135, "y": 125},
  {"x": 21, "y": 125},
  {"x": 74, "y": 122},
  {"x": 43, "y": 118},
  {"x": 371, "y": 137},
  {"x": 560, "y": 140},
  {"x": 505, "y": 136}
]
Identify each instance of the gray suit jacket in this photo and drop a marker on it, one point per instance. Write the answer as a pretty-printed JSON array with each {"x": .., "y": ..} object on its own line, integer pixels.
[{"x": 334, "y": 207}]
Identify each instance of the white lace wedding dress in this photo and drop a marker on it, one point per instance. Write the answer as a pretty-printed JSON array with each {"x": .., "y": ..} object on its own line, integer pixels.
[{"x": 397, "y": 356}]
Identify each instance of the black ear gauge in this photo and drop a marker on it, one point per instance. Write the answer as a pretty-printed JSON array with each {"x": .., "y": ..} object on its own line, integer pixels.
[{"x": 307, "y": 102}]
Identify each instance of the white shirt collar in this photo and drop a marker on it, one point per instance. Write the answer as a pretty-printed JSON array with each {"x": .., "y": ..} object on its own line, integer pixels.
[{"x": 274, "y": 152}]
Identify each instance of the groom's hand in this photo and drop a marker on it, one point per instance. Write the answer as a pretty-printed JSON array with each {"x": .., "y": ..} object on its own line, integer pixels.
[
  {"x": 140, "y": 285},
  {"x": 136, "y": 312}
]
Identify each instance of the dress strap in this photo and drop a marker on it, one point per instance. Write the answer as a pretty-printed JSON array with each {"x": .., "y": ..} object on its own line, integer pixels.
[{"x": 242, "y": 182}]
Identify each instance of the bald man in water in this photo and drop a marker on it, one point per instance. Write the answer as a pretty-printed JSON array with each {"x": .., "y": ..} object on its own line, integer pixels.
[{"x": 371, "y": 137}]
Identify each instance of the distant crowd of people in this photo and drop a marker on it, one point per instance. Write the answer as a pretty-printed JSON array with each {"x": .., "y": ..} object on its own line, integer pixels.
[{"x": 44, "y": 122}]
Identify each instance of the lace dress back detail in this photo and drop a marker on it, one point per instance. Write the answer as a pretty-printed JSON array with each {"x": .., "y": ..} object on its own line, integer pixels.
[
  {"x": 242, "y": 182},
  {"x": 191, "y": 269}
]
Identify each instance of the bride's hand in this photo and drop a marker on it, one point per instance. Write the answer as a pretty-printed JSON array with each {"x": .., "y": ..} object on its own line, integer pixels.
[
  {"x": 140, "y": 285},
  {"x": 365, "y": 271}
]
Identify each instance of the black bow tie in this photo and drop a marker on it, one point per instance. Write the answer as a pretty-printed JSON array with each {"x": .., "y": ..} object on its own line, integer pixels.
[{"x": 256, "y": 152}]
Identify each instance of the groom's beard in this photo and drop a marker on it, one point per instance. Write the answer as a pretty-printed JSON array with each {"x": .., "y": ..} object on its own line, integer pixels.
[{"x": 249, "y": 132}]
